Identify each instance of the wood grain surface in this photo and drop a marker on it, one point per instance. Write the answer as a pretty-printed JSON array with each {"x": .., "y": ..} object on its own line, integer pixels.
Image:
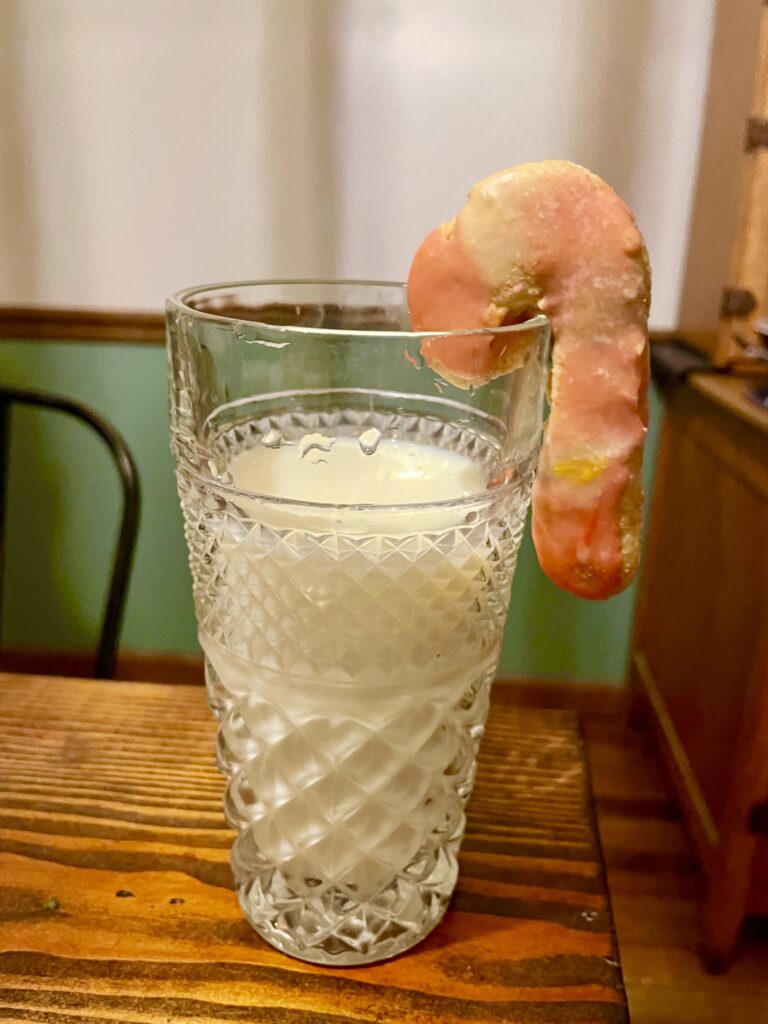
[
  {"x": 749, "y": 256},
  {"x": 116, "y": 901},
  {"x": 656, "y": 890}
]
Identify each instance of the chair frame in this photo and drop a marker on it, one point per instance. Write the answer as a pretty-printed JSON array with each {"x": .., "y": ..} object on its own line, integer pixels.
[{"x": 125, "y": 546}]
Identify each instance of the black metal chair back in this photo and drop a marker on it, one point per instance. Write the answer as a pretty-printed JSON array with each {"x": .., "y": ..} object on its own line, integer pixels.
[{"x": 109, "y": 635}]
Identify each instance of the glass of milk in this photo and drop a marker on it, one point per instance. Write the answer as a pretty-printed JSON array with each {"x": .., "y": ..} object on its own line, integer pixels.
[{"x": 353, "y": 521}]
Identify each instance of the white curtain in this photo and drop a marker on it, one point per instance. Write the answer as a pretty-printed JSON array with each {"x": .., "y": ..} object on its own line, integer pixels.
[{"x": 147, "y": 146}]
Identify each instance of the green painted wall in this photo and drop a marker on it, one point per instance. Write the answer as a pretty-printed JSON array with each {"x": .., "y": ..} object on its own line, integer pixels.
[
  {"x": 63, "y": 513},
  {"x": 64, "y": 501}
]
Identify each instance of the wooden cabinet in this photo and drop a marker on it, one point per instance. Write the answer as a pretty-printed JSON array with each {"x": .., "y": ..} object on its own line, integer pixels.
[
  {"x": 700, "y": 648},
  {"x": 746, "y": 296}
]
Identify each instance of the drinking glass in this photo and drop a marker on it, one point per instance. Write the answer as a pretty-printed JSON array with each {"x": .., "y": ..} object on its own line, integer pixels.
[{"x": 349, "y": 645}]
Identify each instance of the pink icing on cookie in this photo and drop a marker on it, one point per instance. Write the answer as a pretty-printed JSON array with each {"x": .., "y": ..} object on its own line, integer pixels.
[{"x": 554, "y": 237}]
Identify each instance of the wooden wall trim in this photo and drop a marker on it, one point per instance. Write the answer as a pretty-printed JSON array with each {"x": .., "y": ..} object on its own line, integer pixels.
[
  {"x": 49, "y": 324},
  {"x": 133, "y": 328}
]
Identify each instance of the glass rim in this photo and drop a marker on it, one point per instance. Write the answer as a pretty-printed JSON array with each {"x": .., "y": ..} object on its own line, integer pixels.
[{"x": 179, "y": 300}]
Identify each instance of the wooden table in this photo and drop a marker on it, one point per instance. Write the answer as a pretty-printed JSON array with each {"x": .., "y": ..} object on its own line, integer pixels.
[{"x": 116, "y": 901}]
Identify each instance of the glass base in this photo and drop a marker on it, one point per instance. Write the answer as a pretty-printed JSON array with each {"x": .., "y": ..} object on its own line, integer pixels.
[
  {"x": 333, "y": 928},
  {"x": 350, "y": 819}
]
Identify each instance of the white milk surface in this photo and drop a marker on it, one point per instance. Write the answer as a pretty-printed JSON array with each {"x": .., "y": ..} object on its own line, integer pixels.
[{"x": 352, "y": 471}]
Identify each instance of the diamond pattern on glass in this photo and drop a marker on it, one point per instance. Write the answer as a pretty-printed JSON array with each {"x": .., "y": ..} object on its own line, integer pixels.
[{"x": 350, "y": 672}]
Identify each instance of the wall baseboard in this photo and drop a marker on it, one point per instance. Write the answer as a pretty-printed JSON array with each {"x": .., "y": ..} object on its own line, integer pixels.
[
  {"x": 164, "y": 667},
  {"x": 134, "y": 666},
  {"x": 563, "y": 694}
]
